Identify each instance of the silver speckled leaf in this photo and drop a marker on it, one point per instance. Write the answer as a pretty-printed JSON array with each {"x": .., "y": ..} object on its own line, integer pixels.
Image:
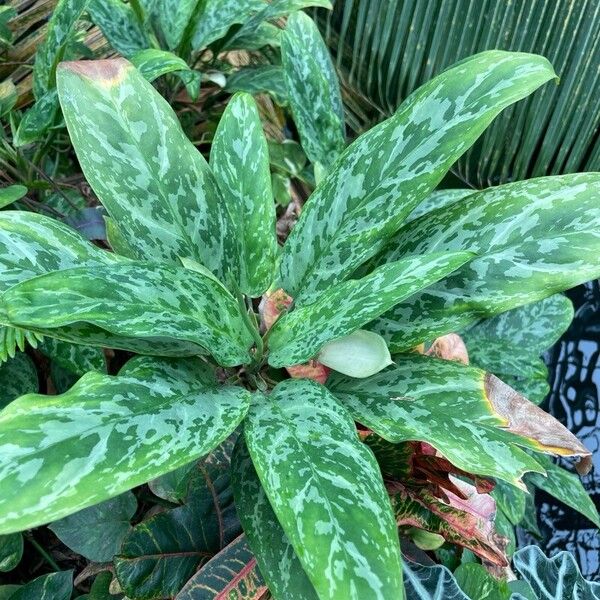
[
  {"x": 108, "y": 434},
  {"x": 327, "y": 491}
]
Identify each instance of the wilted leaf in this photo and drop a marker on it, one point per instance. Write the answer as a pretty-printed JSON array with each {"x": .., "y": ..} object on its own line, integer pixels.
[
  {"x": 74, "y": 450},
  {"x": 472, "y": 418},
  {"x": 97, "y": 532}
]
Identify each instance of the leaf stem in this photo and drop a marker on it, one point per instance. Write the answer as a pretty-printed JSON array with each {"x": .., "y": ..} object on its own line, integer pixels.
[{"x": 43, "y": 553}]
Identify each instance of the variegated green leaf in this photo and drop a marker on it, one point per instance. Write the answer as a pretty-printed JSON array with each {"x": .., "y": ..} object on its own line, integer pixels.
[
  {"x": 438, "y": 199},
  {"x": 300, "y": 334},
  {"x": 232, "y": 573},
  {"x": 8, "y": 90},
  {"x": 510, "y": 344},
  {"x": 152, "y": 181},
  {"x": 120, "y": 25},
  {"x": 260, "y": 79},
  {"x": 239, "y": 158},
  {"x": 18, "y": 376},
  {"x": 153, "y": 63},
  {"x": 11, "y": 552},
  {"x": 471, "y": 417},
  {"x": 385, "y": 173},
  {"x": 11, "y": 194},
  {"x": 76, "y": 359},
  {"x": 108, "y": 434},
  {"x": 37, "y": 120},
  {"x": 276, "y": 558},
  {"x": 326, "y": 490},
  {"x": 556, "y": 578},
  {"x": 31, "y": 244},
  {"x": 135, "y": 300},
  {"x": 217, "y": 16},
  {"x": 565, "y": 487},
  {"x": 174, "y": 17},
  {"x": 65, "y": 15},
  {"x": 533, "y": 239},
  {"x": 313, "y": 90}
]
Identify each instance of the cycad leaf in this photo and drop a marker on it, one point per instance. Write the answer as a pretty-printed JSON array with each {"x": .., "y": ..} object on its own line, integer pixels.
[
  {"x": 533, "y": 239},
  {"x": 150, "y": 178},
  {"x": 239, "y": 159},
  {"x": 276, "y": 558},
  {"x": 107, "y": 435},
  {"x": 135, "y": 300},
  {"x": 471, "y": 417},
  {"x": 13, "y": 339},
  {"x": 385, "y": 173},
  {"x": 313, "y": 90},
  {"x": 341, "y": 310},
  {"x": 326, "y": 489}
]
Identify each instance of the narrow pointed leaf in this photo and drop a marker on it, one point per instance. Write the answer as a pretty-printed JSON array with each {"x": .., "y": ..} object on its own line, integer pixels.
[
  {"x": 232, "y": 573},
  {"x": 137, "y": 300},
  {"x": 385, "y": 173},
  {"x": 107, "y": 435},
  {"x": 533, "y": 239},
  {"x": 275, "y": 556},
  {"x": 147, "y": 174},
  {"x": 326, "y": 490},
  {"x": 239, "y": 159},
  {"x": 565, "y": 487},
  {"x": 341, "y": 310},
  {"x": 313, "y": 90},
  {"x": 471, "y": 417}
]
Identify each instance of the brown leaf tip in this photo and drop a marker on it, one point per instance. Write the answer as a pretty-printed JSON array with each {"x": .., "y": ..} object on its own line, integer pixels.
[{"x": 107, "y": 71}]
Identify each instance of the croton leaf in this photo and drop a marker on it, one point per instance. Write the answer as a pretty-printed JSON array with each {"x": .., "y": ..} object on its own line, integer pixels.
[
  {"x": 471, "y": 417},
  {"x": 386, "y": 172},
  {"x": 556, "y": 578},
  {"x": 341, "y": 310},
  {"x": 107, "y": 435},
  {"x": 326, "y": 489},
  {"x": 533, "y": 239},
  {"x": 97, "y": 532},
  {"x": 230, "y": 574},
  {"x": 148, "y": 175},
  {"x": 54, "y": 586},
  {"x": 275, "y": 556},
  {"x": 239, "y": 158},
  {"x": 18, "y": 376},
  {"x": 313, "y": 90},
  {"x": 135, "y": 300}
]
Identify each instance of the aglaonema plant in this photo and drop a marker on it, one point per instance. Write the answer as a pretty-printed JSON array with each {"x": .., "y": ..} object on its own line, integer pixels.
[{"x": 194, "y": 248}]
